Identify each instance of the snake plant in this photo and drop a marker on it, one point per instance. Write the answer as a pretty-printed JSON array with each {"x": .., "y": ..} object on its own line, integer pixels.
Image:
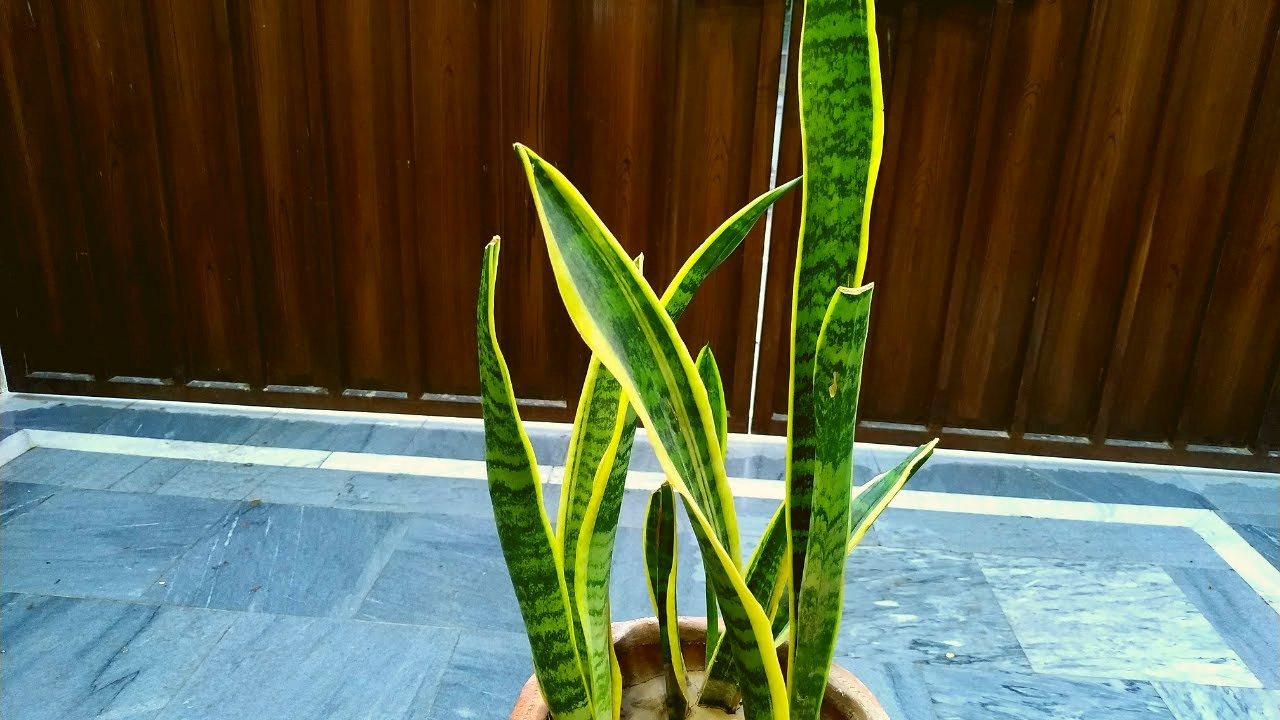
[{"x": 790, "y": 589}]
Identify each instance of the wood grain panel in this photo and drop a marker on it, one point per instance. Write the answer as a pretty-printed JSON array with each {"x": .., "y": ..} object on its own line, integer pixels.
[
  {"x": 105, "y": 48},
  {"x": 370, "y": 148},
  {"x": 200, "y": 147},
  {"x": 48, "y": 281},
  {"x": 534, "y": 41},
  {"x": 1238, "y": 352},
  {"x": 456, "y": 153},
  {"x": 1220, "y": 57},
  {"x": 1007, "y": 214},
  {"x": 1117, "y": 110},
  {"x": 282, "y": 134},
  {"x": 917, "y": 219}
]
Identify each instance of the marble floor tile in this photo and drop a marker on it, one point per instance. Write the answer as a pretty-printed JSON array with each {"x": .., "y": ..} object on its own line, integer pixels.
[
  {"x": 1265, "y": 540},
  {"x": 502, "y": 659},
  {"x": 980, "y": 478},
  {"x": 288, "y": 559},
  {"x": 629, "y": 589},
  {"x": 167, "y": 425},
  {"x": 219, "y": 480},
  {"x": 923, "y": 606},
  {"x": 270, "y": 666},
  {"x": 1126, "y": 543},
  {"x": 392, "y": 438},
  {"x": 91, "y": 543},
  {"x": 70, "y": 468},
  {"x": 1242, "y": 618},
  {"x": 416, "y": 494},
  {"x": 1208, "y": 702},
  {"x": 899, "y": 687},
  {"x": 1237, "y": 493},
  {"x": 961, "y": 532},
  {"x": 73, "y": 658},
  {"x": 301, "y": 486},
  {"x": 966, "y": 694},
  {"x": 312, "y": 435},
  {"x": 17, "y": 498},
  {"x": 1125, "y": 488},
  {"x": 1115, "y": 621},
  {"x": 432, "y": 440},
  {"x": 447, "y": 571},
  {"x": 149, "y": 476},
  {"x": 69, "y": 417}
]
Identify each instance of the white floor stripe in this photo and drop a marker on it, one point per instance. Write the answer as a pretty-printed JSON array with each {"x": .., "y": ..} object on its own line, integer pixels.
[{"x": 1235, "y": 550}]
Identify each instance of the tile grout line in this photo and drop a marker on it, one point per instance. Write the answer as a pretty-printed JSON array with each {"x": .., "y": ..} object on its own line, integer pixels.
[{"x": 1247, "y": 562}]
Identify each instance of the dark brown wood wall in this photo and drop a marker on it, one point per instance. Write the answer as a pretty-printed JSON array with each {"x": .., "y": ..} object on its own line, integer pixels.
[
  {"x": 1076, "y": 238},
  {"x": 1076, "y": 233},
  {"x": 285, "y": 202}
]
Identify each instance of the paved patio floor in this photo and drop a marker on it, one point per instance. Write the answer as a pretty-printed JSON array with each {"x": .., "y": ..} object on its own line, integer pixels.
[{"x": 169, "y": 561}]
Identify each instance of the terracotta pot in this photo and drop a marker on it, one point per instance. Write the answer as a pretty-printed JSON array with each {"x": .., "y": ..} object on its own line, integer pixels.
[{"x": 640, "y": 659}]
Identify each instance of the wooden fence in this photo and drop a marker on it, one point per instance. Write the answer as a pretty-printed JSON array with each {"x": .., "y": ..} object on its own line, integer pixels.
[{"x": 1076, "y": 236}]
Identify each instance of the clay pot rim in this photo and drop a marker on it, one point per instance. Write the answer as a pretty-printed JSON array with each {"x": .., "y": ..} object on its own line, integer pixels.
[{"x": 847, "y": 698}]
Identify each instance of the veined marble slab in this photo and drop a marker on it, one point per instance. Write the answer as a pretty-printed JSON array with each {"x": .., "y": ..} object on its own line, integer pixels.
[
  {"x": 968, "y": 694},
  {"x": 1206, "y": 702},
  {"x": 1118, "y": 621}
]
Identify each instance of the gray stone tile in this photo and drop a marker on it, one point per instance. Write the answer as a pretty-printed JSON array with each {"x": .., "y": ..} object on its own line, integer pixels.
[
  {"x": 1115, "y": 621},
  {"x": 501, "y": 659},
  {"x": 765, "y": 460},
  {"x": 962, "y": 532},
  {"x": 269, "y": 666},
  {"x": 966, "y": 694},
  {"x": 447, "y": 571},
  {"x": 68, "y": 417},
  {"x": 166, "y": 425},
  {"x": 335, "y": 434},
  {"x": 288, "y": 559},
  {"x": 149, "y": 476},
  {"x": 923, "y": 606},
  {"x": 301, "y": 486},
  {"x": 1208, "y": 702},
  {"x": 219, "y": 480},
  {"x": 70, "y": 658},
  {"x": 899, "y": 687},
  {"x": 1270, "y": 523},
  {"x": 416, "y": 494},
  {"x": 1127, "y": 488},
  {"x": 1126, "y": 543},
  {"x": 978, "y": 478},
  {"x": 1243, "y": 619},
  {"x": 7, "y": 431},
  {"x": 467, "y": 443},
  {"x": 629, "y": 589},
  {"x": 70, "y": 468},
  {"x": 1237, "y": 493},
  {"x": 92, "y": 543},
  {"x": 18, "y": 498},
  {"x": 1265, "y": 540}
]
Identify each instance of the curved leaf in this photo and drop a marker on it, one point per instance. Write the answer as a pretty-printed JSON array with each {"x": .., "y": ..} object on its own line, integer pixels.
[
  {"x": 710, "y": 375},
  {"x": 842, "y": 131},
  {"x": 660, "y": 558},
  {"x": 836, "y": 383},
  {"x": 532, "y": 555},
  {"x": 624, "y": 323}
]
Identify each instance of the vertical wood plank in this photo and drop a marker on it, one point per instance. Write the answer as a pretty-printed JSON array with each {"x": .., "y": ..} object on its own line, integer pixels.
[
  {"x": 1219, "y": 58},
  {"x": 1109, "y": 150},
  {"x": 200, "y": 148},
  {"x": 1238, "y": 352},
  {"x": 277, "y": 59},
  {"x": 106, "y": 50},
  {"x": 49, "y": 286}
]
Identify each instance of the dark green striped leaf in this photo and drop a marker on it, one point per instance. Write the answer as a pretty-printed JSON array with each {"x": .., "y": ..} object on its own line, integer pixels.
[
  {"x": 626, "y": 326},
  {"x": 837, "y": 380},
  {"x": 842, "y": 117},
  {"x": 532, "y": 555},
  {"x": 660, "y": 559},
  {"x": 710, "y": 374}
]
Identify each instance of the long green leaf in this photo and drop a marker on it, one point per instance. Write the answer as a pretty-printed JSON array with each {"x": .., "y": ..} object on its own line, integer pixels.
[
  {"x": 710, "y": 375},
  {"x": 626, "y": 326},
  {"x": 836, "y": 383},
  {"x": 660, "y": 559},
  {"x": 528, "y": 545},
  {"x": 767, "y": 574},
  {"x": 605, "y": 428},
  {"x": 842, "y": 131}
]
